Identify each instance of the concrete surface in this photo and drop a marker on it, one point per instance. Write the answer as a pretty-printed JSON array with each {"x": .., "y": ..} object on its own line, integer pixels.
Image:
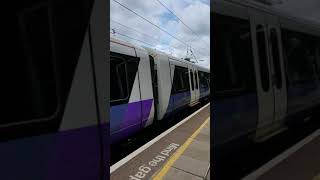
[{"x": 192, "y": 164}]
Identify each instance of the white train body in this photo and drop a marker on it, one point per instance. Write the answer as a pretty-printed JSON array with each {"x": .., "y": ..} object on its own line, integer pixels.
[{"x": 148, "y": 85}]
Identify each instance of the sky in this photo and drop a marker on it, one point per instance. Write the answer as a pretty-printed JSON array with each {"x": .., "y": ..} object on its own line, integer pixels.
[{"x": 194, "y": 13}]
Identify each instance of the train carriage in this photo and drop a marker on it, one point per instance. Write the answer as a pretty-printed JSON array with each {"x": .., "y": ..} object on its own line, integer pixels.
[
  {"x": 266, "y": 70},
  {"x": 148, "y": 85}
]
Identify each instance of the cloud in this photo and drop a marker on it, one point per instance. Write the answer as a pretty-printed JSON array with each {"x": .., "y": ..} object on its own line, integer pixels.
[{"x": 194, "y": 13}]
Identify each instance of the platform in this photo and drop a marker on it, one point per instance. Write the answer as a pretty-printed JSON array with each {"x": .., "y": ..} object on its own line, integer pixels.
[
  {"x": 300, "y": 162},
  {"x": 181, "y": 152}
]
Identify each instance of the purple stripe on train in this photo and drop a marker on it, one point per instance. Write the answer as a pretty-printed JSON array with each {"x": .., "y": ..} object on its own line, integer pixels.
[
  {"x": 177, "y": 101},
  {"x": 146, "y": 109},
  {"x": 126, "y": 119},
  {"x": 65, "y": 155}
]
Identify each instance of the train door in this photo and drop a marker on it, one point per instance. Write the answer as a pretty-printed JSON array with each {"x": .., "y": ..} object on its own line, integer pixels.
[
  {"x": 196, "y": 84},
  {"x": 270, "y": 88},
  {"x": 55, "y": 93},
  {"x": 277, "y": 68},
  {"x": 146, "y": 90},
  {"x": 125, "y": 96},
  {"x": 262, "y": 66},
  {"x": 164, "y": 83},
  {"x": 192, "y": 85},
  {"x": 180, "y": 92}
]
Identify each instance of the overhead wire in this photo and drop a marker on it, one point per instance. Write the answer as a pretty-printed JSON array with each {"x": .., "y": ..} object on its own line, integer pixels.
[
  {"x": 137, "y": 14},
  {"x": 150, "y": 22},
  {"x": 115, "y": 32},
  {"x": 173, "y": 13},
  {"x": 133, "y": 29}
]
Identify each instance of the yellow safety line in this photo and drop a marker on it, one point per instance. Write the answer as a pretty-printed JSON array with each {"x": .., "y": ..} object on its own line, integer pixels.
[{"x": 179, "y": 152}]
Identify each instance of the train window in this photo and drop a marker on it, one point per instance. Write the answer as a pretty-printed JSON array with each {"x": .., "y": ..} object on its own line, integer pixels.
[
  {"x": 207, "y": 76},
  {"x": 276, "y": 57},
  {"x": 154, "y": 77},
  {"x": 318, "y": 58},
  {"x": 191, "y": 78},
  {"x": 186, "y": 78},
  {"x": 196, "y": 77},
  {"x": 32, "y": 83},
  {"x": 232, "y": 55},
  {"x": 263, "y": 60},
  {"x": 42, "y": 50},
  {"x": 118, "y": 79},
  {"x": 153, "y": 70},
  {"x": 180, "y": 82},
  {"x": 203, "y": 80},
  {"x": 123, "y": 70},
  {"x": 300, "y": 55}
]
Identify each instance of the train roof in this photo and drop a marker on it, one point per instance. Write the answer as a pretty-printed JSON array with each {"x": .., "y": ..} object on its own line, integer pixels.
[
  {"x": 154, "y": 51},
  {"x": 284, "y": 17},
  {"x": 173, "y": 58},
  {"x": 181, "y": 60},
  {"x": 125, "y": 43}
]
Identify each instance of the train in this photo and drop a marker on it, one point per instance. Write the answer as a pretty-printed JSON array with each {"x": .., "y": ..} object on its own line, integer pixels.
[
  {"x": 148, "y": 86},
  {"x": 266, "y": 71}
]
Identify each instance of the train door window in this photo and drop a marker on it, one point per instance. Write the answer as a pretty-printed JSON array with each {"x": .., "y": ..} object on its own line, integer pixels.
[
  {"x": 191, "y": 77},
  {"x": 32, "y": 82},
  {"x": 154, "y": 77},
  {"x": 232, "y": 58},
  {"x": 196, "y": 77},
  {"x": 263, "y": 60},
  {"x": 276, "y": 57}
]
